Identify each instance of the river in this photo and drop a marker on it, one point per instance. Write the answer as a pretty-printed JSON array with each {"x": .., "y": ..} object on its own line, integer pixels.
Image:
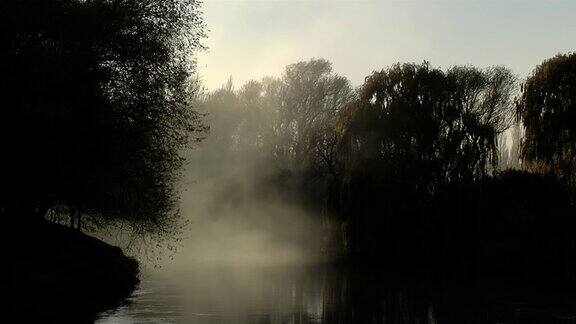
[
  {"x": 329, "y": 294},
  {"x": 249, "y": 257}
]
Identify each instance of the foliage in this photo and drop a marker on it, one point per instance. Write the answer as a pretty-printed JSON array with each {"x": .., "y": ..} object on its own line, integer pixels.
[
  {"x": 547, "y": 109},
  {"x": 97, "y": 106},
  {"x": 414, "y": 130},
  {"x": 288, "y": 121},
  {"x": 515, "y": 222},
  {"x": 312, "y": 96},
  {"x": 424, "y": 127}
]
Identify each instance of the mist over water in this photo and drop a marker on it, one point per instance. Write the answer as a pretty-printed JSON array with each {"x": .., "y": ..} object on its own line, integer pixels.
[
  {"x": 246, "y": 254},
  {"x": 236, "y": 220},
  {"x": 251, "y": 252},
  {"x": 422, "y": 192}
]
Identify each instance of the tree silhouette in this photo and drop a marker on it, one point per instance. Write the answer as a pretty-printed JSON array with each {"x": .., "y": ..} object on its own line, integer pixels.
[
  {"x": 290, "y": 119},
  {"x": 312, "y": 96},
  {"x": 433, "y": 125},
  {"x": 414, "y": 130},
  {"x": 96, "y": 106},
  {"x": 547, "y": 109}
]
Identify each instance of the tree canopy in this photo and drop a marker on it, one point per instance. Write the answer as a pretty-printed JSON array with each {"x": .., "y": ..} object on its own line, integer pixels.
[
  {"x": 414, "y": 130},
  {"x": 290, "y": 120},
  {"x": 547, "y": 108},
  {"x": 96, "y": 106},
  {"x": 312, "y": 97},
  {"x": 421, "y": 126}
]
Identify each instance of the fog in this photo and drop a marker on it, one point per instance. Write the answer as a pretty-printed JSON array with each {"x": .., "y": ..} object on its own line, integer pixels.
[
  {"x": 231, "y": 221},
  {"x": 246, "y": 248},
  {"x": 234, "y": 217},
  {"x": 289, "y": 161}
]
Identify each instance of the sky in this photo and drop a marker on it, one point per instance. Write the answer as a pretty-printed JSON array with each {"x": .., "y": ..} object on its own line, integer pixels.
[{"x": 249, "y": 39}]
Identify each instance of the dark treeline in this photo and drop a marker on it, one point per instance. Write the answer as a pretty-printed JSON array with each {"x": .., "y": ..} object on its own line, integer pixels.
[
  {"x": 96, "y": 107},
  {"x": 419, "y": 165}
]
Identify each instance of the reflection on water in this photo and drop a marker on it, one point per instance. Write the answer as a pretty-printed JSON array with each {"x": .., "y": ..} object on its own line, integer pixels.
[{"x": 327, "y": 295}]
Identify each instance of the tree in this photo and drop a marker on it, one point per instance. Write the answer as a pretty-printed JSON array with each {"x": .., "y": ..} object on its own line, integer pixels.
[
  {"x": 434, "y": 125},
  {"x": 290, "y": 120},
  {"x": 547, "y": 108},
  {"x": 311, "y": 97},
  {"x": 96, "y": 105},
  {"x": 260, "y": 102},
  {"x": 414, "y": 130},
  {"x": 223, "y": 113}
]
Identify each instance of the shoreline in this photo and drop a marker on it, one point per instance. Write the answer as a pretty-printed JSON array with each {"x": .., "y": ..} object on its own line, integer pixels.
[{"x": 65, "y": 276}]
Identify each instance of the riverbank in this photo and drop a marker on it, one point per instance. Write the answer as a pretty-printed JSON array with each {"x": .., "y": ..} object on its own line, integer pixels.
[{"x": 58, "y": 274}]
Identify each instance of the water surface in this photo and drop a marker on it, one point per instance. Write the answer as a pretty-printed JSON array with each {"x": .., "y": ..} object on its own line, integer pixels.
[{"x": 327, "y": 294}]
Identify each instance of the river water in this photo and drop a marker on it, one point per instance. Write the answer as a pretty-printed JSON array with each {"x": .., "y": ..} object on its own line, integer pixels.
[
  {"x": 327, "y": 294},
  {"x": 251, "y": 255}
]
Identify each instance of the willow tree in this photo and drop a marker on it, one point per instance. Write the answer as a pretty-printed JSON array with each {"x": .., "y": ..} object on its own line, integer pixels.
[
  {"x": 436, "y": 126},
  {"x": 96, "y": 107},
  {"x": 413, "y": 130},
  {"x": 547, "y": 108}
]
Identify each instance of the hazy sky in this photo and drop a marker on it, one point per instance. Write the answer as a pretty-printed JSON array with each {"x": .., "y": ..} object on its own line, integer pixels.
[{"x": 249, "y": 38}]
